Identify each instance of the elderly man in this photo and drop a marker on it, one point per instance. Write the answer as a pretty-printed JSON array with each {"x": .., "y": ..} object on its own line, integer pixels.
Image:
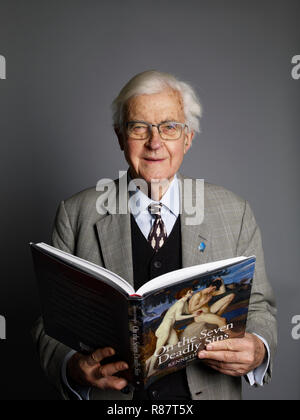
[{"x": 156, "y": 117}]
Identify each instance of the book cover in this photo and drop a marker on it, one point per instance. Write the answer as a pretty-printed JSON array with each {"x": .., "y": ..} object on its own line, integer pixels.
[{"x": 181, "y": 320}]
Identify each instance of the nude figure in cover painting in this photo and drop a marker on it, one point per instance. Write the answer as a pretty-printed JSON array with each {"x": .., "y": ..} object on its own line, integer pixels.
[
  {"x": 166, "y": 334},
  {"x": 208, "y": 314}
]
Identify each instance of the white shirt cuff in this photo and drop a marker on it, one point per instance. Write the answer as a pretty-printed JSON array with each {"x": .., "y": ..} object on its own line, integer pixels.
[
  {"x": 81, "y": 392},
  {"x": 256, "y": 376}
]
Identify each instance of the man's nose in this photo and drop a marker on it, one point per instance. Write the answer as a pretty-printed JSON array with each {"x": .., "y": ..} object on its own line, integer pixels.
[{"x": 154, "y": 141}]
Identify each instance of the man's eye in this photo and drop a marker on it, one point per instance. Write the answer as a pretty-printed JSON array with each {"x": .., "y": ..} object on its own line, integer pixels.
[
  {"x": 139, "y": 128},
  {"x": 169, "y": 127}
]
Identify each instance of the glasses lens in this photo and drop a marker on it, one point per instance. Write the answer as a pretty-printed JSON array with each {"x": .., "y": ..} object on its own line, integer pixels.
[
  {"x": 138, "y": 131},
  {"x": 170, "y": 131}
]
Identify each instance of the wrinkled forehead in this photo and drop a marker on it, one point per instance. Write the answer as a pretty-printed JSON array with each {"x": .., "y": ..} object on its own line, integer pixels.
[{"x": 164, "y": 105}]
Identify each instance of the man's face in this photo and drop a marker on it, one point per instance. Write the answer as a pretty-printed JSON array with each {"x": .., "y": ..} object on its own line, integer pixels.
[{"x": 155, "y": 158}]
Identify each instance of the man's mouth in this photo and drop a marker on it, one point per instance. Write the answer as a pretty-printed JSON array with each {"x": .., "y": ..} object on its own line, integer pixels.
[{"x": 154, "y": 159}]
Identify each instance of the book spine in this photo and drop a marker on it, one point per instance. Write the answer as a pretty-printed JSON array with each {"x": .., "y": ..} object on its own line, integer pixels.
[{"x": 136, "y": 338}]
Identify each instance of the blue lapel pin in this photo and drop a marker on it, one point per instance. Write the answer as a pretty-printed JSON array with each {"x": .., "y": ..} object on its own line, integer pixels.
[{"x": 202, "y": 247}]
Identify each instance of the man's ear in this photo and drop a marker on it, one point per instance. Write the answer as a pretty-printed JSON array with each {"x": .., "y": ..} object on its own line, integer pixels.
[
  {"x": 188, "y": 140},
  {"x": 120, "y": 137}
]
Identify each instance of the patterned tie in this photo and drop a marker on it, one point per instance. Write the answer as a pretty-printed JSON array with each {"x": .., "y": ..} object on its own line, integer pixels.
[{"x": 158, "y": 233}]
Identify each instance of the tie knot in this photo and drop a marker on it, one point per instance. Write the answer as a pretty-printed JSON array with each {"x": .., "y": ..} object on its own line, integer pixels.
[{"x": 155, "y": 209}]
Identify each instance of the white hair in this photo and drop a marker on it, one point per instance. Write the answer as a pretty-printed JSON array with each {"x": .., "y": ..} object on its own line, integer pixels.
[{"x": 153, "y": 81}]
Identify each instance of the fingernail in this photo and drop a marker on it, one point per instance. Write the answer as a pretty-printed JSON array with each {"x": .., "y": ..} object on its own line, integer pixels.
[
  {"x": 123, "y": 366},
  {"x": 201, "y": 354},
  {"x": 209, "y": 347}
]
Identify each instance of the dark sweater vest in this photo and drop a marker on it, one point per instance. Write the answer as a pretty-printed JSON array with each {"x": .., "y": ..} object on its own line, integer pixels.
[{"x": 148, "y": 264}]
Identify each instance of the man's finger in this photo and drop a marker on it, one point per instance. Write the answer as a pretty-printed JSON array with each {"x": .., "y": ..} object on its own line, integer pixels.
[
  {"x": 234, "y": 344},
  {"x": 109, "y": 382},
  {"x": 98, "y": 355},
  {"x": 113, "y": 368},
  {"x": 222, "y": 356},
  {"x": 223, "y": 370},
  {"x": 224, "y": 366}
]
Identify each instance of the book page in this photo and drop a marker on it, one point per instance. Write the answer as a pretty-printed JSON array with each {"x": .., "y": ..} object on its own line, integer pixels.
[{"x": 179, "y": 275}]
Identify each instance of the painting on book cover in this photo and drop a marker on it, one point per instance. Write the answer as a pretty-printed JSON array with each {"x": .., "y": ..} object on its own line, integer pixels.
[{"x": 181, "y": 320}]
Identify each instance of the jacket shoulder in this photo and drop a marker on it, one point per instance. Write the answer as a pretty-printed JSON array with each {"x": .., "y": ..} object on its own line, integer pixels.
[
  {"x": 217, "y": 192},
  {"x": 221, "y": 201},
  {"x": 89, "y": 196}
]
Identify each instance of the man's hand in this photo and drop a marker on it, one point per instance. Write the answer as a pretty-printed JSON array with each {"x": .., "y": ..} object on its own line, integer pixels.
[
  {"x": 88, "y": 371},
  {"x": 235, "y": 357}
]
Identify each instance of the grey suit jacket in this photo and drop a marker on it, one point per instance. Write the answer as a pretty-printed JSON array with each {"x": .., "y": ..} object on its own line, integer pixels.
[{"x": 229, "y": 229}]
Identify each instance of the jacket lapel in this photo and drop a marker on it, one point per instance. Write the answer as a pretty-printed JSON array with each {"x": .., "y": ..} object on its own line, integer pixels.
[
  {"x": 193, "y": 235},
  {"x": 114, "y": 233}
]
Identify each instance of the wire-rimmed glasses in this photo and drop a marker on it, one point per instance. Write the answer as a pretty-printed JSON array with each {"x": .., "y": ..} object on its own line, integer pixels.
[{"x": 168, "y": 130}]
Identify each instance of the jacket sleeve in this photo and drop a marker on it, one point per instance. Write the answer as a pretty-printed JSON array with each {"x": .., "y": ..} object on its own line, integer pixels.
[
  {"x": 51, "y": 352},
  {"x": 262, "y": 310}
]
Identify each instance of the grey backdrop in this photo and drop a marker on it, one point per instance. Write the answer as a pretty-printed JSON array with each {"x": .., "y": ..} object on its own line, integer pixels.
[{"x": 66, "y": 60}]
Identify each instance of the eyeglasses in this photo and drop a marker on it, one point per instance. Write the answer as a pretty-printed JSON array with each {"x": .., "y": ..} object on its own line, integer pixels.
[{"x": 141, "y": 130}]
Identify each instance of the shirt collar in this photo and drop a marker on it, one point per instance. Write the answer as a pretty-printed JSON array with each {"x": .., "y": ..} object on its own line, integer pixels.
[{"x": 141, "y": 201}]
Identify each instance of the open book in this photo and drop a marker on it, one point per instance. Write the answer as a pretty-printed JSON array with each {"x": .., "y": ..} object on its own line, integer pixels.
[{"x": 156, "y": 329}]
